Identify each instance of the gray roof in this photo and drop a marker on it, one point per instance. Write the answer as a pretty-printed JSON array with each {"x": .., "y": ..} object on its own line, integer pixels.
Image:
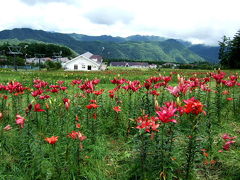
[
  {"x": 97, "y": 57},
  {"x": 137, "y": 64},
  {"x": 129, "y": 64},
  {"x": 87, "y": 54},
  {"x": 118, "y": 63}
]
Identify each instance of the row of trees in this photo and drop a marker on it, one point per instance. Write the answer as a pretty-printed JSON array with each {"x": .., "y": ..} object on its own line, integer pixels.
[
  {"x": 21, "y": 62},
  {"x": 30, "y": 50},
  {"x": 39, "y": 48},
  {"x": 229, "y": 52}
]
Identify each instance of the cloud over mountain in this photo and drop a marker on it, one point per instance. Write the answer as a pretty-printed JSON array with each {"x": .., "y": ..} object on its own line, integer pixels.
[{"x": 200, "y": 21}]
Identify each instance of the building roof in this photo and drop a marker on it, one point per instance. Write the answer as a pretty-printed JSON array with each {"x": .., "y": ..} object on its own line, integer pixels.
[
  {"x": 118, "y": 63},
  {"x": 168, "y": 64},
  {"x": 97, "y": 58},
  {"x": 93, "y": 57},
  {"x": 81, "y": 56},
  {"x": 129, "y": 64},
  {"x": 137, "y": 64},
  {"x": 87, "y": 54}
]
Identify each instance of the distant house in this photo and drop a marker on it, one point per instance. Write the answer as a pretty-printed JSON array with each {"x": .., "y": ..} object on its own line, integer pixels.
[
  {"x": 118, "y": 64},
  {"x": 62, "y": 60},
  {"x": 170, "y": 65},
  {"x": 37, "y": 60},
  {"x": 137, "y": 65},
  {"x": 133, "y": 64},
  {"x": 152, "y": 66},
  {"x": 85, "y": 62}
]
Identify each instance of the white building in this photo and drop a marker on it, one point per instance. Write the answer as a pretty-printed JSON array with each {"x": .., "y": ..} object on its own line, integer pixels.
[
  {"x": 133, "y": 64},
  {"x": 85, "y": 62},
  {"x": 170, "y": 65},
  {"x": 62, "y": 60},
  {"x": 37, "y": 60}
]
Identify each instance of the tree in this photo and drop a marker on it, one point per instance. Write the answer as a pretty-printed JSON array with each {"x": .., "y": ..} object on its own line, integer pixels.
[
  {"x": 19, "y": 61},
  {"x": 234, "y": 59},
  {"x": 50, "y": 65},
  {"x": 229, "y": 52},
  {"x": 224, "y": 51}
]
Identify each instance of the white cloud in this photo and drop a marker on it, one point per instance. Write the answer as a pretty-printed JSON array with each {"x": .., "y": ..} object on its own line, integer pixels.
[
  {"x": 33, "y": 2},
  {"x": 198, "y": 21},
  {"x": 109, "y": 16}
]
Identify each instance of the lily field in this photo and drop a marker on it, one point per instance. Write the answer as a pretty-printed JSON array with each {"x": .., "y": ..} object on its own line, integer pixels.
[{"x": 123, "y": 124}]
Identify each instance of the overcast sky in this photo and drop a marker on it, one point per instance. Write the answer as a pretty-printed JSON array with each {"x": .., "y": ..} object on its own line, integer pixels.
[{"x": 198, "y": 21}]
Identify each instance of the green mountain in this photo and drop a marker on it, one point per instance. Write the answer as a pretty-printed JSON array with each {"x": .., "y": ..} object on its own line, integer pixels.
[
  {"x": 144, "y": 38},
  {"x": 82, "y": 37},
  {"x": 133, "y": 47},
  {"x": 167, "y": 51},
  {"x": 210, "y": 53}
]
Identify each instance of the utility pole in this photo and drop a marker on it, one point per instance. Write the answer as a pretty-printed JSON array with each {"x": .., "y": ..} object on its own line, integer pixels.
[
  {"x": 3, "y": 56},
  {"x": 14, "y": 50},
  {"x": 39, "y": 56},
  {"x": 101, "y": 54}
]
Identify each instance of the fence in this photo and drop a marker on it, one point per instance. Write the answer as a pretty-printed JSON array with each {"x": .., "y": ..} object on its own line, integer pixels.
[{"x": 20, "y": 67}]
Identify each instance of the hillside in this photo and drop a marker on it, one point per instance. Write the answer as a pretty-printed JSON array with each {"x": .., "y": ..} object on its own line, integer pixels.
[
  {"x": 138, "y": 38},
  {"x": 210, "y": 53},
  {"x": 133, "y": 47}
]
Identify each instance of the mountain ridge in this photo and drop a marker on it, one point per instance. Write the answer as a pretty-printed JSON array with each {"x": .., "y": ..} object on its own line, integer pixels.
[{"x": 135, "y": 47}]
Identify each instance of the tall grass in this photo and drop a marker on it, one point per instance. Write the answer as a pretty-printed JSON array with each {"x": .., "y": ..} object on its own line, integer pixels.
[{"x": 131, "y": 125}]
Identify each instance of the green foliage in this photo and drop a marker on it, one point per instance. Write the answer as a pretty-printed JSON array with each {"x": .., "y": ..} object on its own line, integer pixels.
[
  {"x": 229, "y": 52},
  {"x": 18, "y": 60},
  {"x": 9, "y": 60},
  {"x": 31, "y": 49},
  {"x": 171, "y": 51},
  {"x": 199, "y": 65},
  {"x": 50, "y": 65},
  {"x": 47, "y": 49}
]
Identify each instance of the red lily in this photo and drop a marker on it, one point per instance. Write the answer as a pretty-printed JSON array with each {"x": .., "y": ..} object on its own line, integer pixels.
[
  {"x": 44, "y": 97},
  {"x": 37, "y": 108},
  {"x": 227, "y": 137},
  {"x": 117, "y": 109},
  {"x": 77, "y": 135},
  {"x": 98, "y": 92},
  {"x": 37, "y": 92},
  {"x": 78, "y": 125},
  {"x": 154, "y": 92},
  {"x": 229, "y": 99},
  {"x": 167, "y": 112},
  {"x": 20, "y": 120},
  {"x": 147, "y": 123},
  {"x": 66, "y": 102},
  {"x": 193, "y": 106},
  {"x": 7, "y": 128},
  {"x": 227, "y": 144},
  {"x": 92, "y": 106},
  {"x": 52, "y": 140}
]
